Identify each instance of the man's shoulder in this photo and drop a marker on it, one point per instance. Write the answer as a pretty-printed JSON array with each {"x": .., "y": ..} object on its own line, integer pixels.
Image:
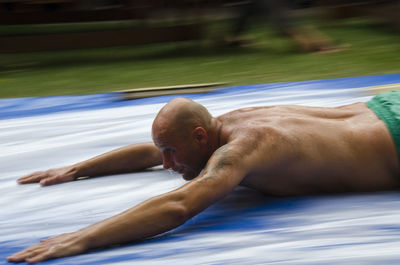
[{"x": 256, "y": 139}]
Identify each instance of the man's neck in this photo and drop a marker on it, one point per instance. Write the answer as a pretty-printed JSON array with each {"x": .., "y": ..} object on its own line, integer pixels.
[{"x": 215, "y": 135}]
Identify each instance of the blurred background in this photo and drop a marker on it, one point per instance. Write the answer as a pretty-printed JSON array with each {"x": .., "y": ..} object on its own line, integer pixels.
[{"x": 62, "y": 47}]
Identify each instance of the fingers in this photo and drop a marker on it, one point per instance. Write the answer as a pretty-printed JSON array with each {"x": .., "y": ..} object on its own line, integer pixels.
[
  {"x": 50, "y": 177},
  {"x": 40, "y": 257},
  {"x": 31, "y": 178},
  {"x": 55, "y": 247},
  {"x": 42, "y": 177},
  {"x": 27, "y": 253},
  {"x": 52, "y": 180},
  {"x": 32, "y": 256}
]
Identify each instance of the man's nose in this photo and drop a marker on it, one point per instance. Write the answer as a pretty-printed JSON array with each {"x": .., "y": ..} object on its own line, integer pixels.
[{"x": 167, "y": 161}]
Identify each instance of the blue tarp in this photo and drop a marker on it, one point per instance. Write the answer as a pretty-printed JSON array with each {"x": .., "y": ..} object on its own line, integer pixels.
[{"x": 246, "y": 227}]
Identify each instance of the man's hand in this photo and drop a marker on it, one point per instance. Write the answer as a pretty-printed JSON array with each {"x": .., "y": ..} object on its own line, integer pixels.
[
  {"x": 127, "y": 159},
  {"x": 54, "y": 247},
  {"x": 50, "y": 177}
]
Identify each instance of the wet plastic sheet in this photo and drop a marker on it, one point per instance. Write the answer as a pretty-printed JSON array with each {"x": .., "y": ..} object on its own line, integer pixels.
[{"x": 246, "y": 227}]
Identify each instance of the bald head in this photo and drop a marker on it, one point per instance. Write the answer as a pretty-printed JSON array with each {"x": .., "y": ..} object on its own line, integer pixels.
[
  {"x": 180, "y": 116},
  {"x": 186, "y": 134}
]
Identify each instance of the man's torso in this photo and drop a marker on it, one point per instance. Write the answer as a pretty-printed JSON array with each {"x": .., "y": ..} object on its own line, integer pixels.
[{"x": 302, "y": 150}]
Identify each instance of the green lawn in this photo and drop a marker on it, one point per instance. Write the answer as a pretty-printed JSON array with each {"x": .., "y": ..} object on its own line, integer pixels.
[{"x": 372, "y": 50}]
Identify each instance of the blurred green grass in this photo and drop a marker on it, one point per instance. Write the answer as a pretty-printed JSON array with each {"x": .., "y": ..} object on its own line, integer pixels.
[{"x": 372, "y": 49}]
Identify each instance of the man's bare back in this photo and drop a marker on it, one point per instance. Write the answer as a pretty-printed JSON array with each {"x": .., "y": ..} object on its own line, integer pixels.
[{"x": 315, "y": 150}]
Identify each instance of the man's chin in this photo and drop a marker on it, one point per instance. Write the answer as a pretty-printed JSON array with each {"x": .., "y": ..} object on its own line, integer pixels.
[
  {"x": 187, "y": 176},
  {"x": 190, "y": 175}
]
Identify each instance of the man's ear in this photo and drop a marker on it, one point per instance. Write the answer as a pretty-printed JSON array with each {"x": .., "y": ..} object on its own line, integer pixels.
[{"x": 200, "y": 135}]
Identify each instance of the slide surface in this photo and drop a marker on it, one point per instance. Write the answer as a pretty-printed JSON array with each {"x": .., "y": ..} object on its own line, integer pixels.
[{"x": 246, "y": 227}]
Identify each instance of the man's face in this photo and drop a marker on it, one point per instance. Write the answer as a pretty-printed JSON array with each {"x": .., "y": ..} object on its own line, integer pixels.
[{"x": 181, "y": 155}]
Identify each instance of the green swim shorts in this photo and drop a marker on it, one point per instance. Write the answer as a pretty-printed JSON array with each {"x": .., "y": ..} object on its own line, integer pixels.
[{"x": 387, "y": 107}]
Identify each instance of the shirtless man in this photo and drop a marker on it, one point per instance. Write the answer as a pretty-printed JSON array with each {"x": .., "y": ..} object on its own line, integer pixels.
[{"x": 281, "y": 150}]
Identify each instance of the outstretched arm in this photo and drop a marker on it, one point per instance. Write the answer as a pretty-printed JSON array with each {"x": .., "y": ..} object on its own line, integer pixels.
[
  {"x": 123, "y": 160},
  {"x": 222, "y": 174}
]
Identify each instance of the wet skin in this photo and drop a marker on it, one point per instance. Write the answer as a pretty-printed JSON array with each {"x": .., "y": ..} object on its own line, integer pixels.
[{"x": 301, "y": 150}]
